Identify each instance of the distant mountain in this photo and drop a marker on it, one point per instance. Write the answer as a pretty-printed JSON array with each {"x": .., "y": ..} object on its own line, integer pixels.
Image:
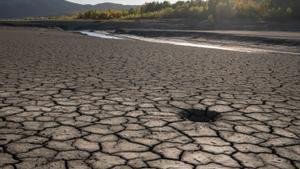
[
  {"x": 27, "y": 8},
  {"x": 108, "y": 5}
]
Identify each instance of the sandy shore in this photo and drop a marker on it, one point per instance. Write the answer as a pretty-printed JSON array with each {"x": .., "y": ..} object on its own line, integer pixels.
[{"x": 73, "y": 101}]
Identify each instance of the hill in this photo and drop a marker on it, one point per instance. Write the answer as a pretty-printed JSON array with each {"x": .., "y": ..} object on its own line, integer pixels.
[{"x": 10, "y": 9}]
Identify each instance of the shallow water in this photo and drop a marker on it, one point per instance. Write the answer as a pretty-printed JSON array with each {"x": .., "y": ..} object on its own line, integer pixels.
[
  {"x": 207, "y": 45},
  {"x": 236, "y": 48},
  {"x": 103, "y": 35}
]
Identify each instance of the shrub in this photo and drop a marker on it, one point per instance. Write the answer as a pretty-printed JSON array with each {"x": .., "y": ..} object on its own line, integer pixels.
[
  {"x": 211, "y": 19},
  {"x": 205, "y": 9}
]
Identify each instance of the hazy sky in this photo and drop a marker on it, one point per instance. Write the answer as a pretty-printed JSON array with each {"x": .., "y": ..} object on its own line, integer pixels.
[{"x": 135, "y": 2}]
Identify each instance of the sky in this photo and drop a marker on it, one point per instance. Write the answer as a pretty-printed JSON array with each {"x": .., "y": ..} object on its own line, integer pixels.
[{"x": 127, "y": 2}]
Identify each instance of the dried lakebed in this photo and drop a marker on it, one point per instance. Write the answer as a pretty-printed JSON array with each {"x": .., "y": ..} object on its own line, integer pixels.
[{"x": 69, "y": 101}]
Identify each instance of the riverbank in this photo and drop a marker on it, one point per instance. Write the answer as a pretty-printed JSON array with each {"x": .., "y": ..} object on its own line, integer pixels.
[
  {"x": 183, "y": 24},
  {"x": 266, "y": 35}
]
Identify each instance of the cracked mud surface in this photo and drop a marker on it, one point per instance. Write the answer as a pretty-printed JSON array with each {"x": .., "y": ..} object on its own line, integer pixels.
[{"x": 73, "y": 102}]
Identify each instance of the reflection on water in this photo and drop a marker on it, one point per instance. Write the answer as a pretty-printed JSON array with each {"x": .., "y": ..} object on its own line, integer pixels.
[
  {"x": 207, "y": 45},
  {"x": 106, "y": 35},
  {"x": 103, "y": 35},
  {"x": 184, "y": 43}
]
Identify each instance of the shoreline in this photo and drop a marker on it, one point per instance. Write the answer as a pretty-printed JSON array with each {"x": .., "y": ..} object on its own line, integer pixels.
[{"x": 172, "y": 24}]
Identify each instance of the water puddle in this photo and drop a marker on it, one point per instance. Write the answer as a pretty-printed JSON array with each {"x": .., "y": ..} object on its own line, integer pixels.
[{"x": 178, "y": 42}]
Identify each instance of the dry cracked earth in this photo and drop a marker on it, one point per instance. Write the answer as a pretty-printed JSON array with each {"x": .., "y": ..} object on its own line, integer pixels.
[{"x": 69, "y": 101}]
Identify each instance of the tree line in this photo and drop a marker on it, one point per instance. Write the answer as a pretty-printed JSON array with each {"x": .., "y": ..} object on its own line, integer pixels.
[{"x": 206, "y": 9}]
